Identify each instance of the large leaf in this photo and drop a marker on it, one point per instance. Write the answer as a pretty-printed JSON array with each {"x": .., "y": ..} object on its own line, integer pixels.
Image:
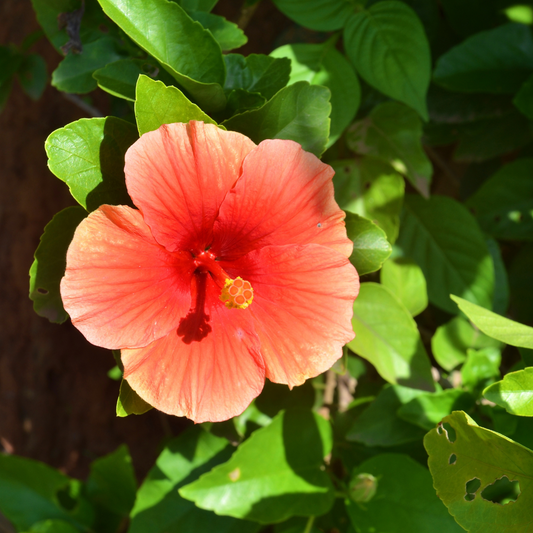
[
  {"x": 496, "y": 326},
  {"x": 392, "y": 132},
  {"x": 160, "y": 509},
  {"x": 50, "y": 262},
  {"x": 387, "y": 336},
  {"x": 514, "y": 392},
  {"x": 323, "y": 64},
  {"x": 503, "y": 205},
  {"x": 185, "y": 49},
  {"x": 372, "y": 189},
  {"x": 88, "y": 155},
  {"x": 156, "y": 104},
  {"x": 298, "y": 112},
  {"x": 493, "y": 61},
  {"x": 370, "y": 245},
  {"x": 388, "y": 46},
  {"x": 444, "y": 239},
  {"x": 404, "y": 490},
  {"x": 227, "y": 34},
  {"x": 465, "y": 460},
  {"x": 275, "y": 474}
]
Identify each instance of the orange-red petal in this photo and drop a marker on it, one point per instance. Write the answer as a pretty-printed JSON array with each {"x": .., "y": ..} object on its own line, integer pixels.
[
  {"x": 302, "y": 307},
  {"x": 121, "y": 288},
  {"x": 284, "y": 196},
  {"x": 209, "y": 378},
  {"x": 179, "y": 175}
]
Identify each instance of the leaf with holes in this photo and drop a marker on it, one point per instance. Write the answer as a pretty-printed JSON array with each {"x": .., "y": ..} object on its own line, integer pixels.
[
  {"x": 392, "y": 132},
  {"x": 514, "y": 392},
  {"x": 468, "y": 463}
]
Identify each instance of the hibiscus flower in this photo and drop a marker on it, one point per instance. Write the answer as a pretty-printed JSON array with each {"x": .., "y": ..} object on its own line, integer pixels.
[{"x": 233, "y": 268}]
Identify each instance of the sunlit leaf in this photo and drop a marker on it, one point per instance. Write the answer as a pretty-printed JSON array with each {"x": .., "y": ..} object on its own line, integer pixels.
[
  {"x": 129, "y": 402},
  {"x": 514, "y": 392}
]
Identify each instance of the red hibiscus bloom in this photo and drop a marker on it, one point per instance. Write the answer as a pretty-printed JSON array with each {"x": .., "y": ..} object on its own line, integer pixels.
[{"x": 234, "y": 268}]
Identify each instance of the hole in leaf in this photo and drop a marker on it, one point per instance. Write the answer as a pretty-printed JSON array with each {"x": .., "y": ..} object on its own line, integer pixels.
[
  {"x": 471, "y": 488},
  {"x": 40, "y": 290},
  {"x": 450, "y": 432},
  {"x": 502, "y": 491},
  {"x": 65, "y": 498},
  {"x": 470, "y": 497},
  {"x": 452, "y": 460}
]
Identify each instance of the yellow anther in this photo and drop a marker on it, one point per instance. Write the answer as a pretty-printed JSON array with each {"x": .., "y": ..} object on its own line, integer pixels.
[{"x": 237, "y": 293}]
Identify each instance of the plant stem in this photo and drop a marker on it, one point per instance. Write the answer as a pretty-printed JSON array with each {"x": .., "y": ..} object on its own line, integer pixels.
[{"x": 309, "y": 524}]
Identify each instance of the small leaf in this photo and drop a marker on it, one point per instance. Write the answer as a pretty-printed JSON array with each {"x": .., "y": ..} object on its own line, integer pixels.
[
  {"x": 227, "y": 34},
  {"x": 514, "y": 392},
  {"x": 392, "y": 132},
  {"x": 88, "y": 155},
  {"x": 445, "y": 241},
  {"x": 321, "y": 15},
  {"x": 461, "y": 453},
  {"x": 496, "y": 326},
  {"x": 33, "y": 76},
  {"x": 50, "y": 262},
  {"x": 370, "y": 245},
  {"x": 387, "y": 336},
  {"x": 156, "y": 104},
  {"x": 481, "y": 368},
  {"x": 298, "y": 112},
  {"x": 273, "y": 475},
  {"x": 388, "y": 46},
  {"x": 129, "y": 402}
]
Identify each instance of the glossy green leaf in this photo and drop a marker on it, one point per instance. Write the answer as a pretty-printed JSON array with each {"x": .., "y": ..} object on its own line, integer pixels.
[
  {"x": 452, "y": 341},
  {"x": 392, "y": 132},
  {"x": 156, "y": 104},
  {"x": 493, "y": 61},
  {"x": 321, "y": 15},
  {"x": 405, "y": 279},
  {"x": 379, "y": 424},
  {"x": 197, "y": 5},
  {"x": 523, "y": 99},
  {"x": 50, "y": 262},
  {"x": 370, "y": 245},
  {"x": 404, "y": 490},
  {"x": 514, "y": 392},
  {"x": 387, "y": 336},
  {"x": 461, "y": 452},
  {"x": 521, "y": 285},
  {"x": 481, "y": 368},
  {"x": 444, "y": 239},
  {"x": 160, "y": 509},
  {"x": 298, "y": 112},
  {"x": 75, "y": 73},
  {"x": 372, "y": 189},
  {"x": 129, "y": 402},
  {"x": 52, "y": 526},
  {"x": 388, "y": 46},
  {"x": 33, "y": 76},
  {"x": 323, "y": 64},
  {"x": 496, "y": 326},
  {"x": 185, "y": 49},
  {"x": 88, "y": 155},
  {"x": 273, "y": 475},
  {"x": 227, "y": 34},
  {"x": 256, "y": 73},
  {"x": 503, "y": 205}
]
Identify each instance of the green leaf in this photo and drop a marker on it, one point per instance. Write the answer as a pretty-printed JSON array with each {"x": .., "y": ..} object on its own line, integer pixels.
[
  {"x": 379, "y": 425},
  {"x": 50, "y": 262},
  {"x": 323, "y": 64},
  {"x": 465, "y": 459},
  {"x": 523, "y": 99},
  {"x": 129, "y": 402},
  {"x": 227, "y": 34},
  {"x": 75, "y": 73},
  {"x": 52, "y": 526},
  {"x": 185, "y": 49},
  {"x": 256, "y": 73},
  {"x": 496, "y": 326},
  {"x": 392, "y": 132},
  {"x": 387, "y": 336},
  {"x": 495, "y": 61},
  {"x": 388, "y": 46},
  {"x": 405, "y": 279},
  {"x": 88, "y": 155},
  {"x": 321, "y": 15},
  {"x": 404, "y": 490},
  {"x": 197, "y": 5},
  {"x": 32, "y": 75},
  {"x": 452, "y": 340},
  {"x": 156, "y": 104},
  {"x": 503, "y": 205},
  {"x": 514, "y": 392},
  {"x": 370, "y": 245},
  {"x": 160, "y": 509},
  {"x": 481, "y": 368},
  {"x": 444, "y": 239},
  {"x": 273, "y": 475},
  {"x": 372, "y": 189},
  {"x": 298, "y": 112},
  {"x": 428, "y": 409}
]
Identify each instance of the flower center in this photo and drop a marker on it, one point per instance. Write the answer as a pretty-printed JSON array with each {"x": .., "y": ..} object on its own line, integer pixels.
[{"x": 237, "y": 293}]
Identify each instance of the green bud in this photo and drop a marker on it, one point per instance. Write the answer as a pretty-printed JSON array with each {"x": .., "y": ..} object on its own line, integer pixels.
[{"x": 363, "y": 487}]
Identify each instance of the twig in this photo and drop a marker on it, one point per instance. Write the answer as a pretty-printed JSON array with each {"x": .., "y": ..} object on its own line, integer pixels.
[{"x": 89, "y": 109}]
